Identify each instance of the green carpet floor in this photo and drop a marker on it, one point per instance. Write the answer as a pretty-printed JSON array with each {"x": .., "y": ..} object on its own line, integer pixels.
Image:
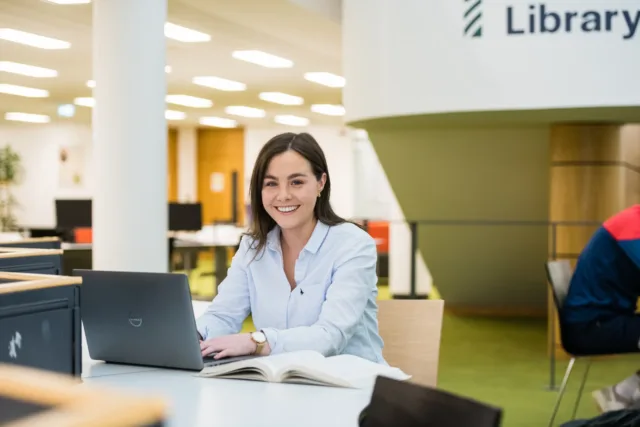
[{"x": 504, "y": 362}]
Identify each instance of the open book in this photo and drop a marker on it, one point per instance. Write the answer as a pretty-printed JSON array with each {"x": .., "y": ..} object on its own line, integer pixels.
[{"x": 306, "y": 367}]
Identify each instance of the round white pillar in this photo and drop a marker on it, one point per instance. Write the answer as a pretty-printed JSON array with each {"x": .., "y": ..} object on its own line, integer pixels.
[{"x": 130, "y": 136}]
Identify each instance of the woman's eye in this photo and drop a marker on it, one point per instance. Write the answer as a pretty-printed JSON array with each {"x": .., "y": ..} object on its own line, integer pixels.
[
  {"x": 270, "y": 184},
  {"x": 297, "y": 182}
]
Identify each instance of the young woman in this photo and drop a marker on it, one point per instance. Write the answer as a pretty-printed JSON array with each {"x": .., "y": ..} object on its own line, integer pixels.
[{"x": 307, "y": 276}]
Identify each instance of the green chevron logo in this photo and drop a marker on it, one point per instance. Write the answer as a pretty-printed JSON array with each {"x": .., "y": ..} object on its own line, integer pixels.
[{"x": 473, "y": 18}]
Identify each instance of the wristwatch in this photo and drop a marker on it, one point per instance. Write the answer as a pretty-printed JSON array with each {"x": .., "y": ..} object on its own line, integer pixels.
[{"x": 260, "y": 339}]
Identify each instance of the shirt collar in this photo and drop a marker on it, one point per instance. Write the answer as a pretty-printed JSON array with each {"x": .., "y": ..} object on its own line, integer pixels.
[{"x": 315, "y": 241}]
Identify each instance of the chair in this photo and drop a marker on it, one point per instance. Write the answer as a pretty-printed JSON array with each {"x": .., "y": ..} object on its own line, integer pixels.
[
  {"x": 397, "y": 403},
  {"x": 411, "y": 332},
  {"x": 559, "y": 275}
]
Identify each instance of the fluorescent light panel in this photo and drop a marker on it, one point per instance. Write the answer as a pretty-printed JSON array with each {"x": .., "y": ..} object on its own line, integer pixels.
[
  {"x": 33, "y": 40},
  {"x": 328, "y": 109},
  {"x": 85, "y": 101},
  {"x": 26, "y": 117},
  {"x": 219, "y": 122},
  {"x": 239, "y": 110},
  {"x": 281, "y": 98},
  {"x": 184, "y": 34},
  {"x": 262, "y": 58},
  {"x": 219, "y": 83},
  {"x": 174, "y": 115},
  {"x": 26, "y": 70},
  {"x": 69, "y": 1},
  {"x": 189, "y": 101},
  {"x": 289, "y": 120},
  {"x": 325, "y": 79},
  {"x": 28, "y": 92}
]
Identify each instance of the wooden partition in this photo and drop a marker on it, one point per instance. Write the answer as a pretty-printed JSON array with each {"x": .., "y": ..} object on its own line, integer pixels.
[
  {"x": 34, "y": 242},
  {"x": 31, "y": 260},
  {"x": 40, "y": 322},
  {"x": 595, "y": 173},
  {"x": 34, "y": 398}
]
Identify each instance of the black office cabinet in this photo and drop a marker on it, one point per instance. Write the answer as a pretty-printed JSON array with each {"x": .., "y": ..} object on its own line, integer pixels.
[
  {"x": 33, "y": 244},
  {"x": 39, "y": 264},
  {"x": 41, "y": 328}
]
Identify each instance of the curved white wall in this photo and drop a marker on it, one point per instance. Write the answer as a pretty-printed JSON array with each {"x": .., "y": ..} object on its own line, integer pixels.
[{"x": 415, "y": 58}]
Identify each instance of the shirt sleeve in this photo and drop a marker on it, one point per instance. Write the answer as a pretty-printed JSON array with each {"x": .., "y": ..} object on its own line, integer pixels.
[
  {"x": 231, "y": 306},
  {"x": 354, "y": 280}
]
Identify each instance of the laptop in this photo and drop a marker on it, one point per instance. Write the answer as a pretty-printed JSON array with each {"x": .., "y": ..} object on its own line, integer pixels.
[{"x": 139, "y": 318}]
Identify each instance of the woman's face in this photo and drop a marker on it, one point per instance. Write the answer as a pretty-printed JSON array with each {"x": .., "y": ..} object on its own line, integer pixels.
[{"x": 290, "y": 190}]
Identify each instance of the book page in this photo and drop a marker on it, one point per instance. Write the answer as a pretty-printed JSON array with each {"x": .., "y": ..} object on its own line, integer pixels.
[
  {"x": 242, "y": 369},
  {"x": 281, "y": 363},
  {"x": 354, "y": 371}
]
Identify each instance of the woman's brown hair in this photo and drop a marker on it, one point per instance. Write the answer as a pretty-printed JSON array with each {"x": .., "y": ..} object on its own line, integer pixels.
[{"x": 305, "y": 145}]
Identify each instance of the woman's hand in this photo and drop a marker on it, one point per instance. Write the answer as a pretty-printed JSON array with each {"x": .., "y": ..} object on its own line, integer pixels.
[{"x": 228, "y": 346}]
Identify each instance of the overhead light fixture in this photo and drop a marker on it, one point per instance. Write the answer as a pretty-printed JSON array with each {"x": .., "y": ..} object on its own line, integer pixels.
[
  {"x": 219, "y": 83},
  {"x": 262, "y": 58},
  {"x": 85, "y": 102},
  {"x": 174, "y": 115},
  {"x": 26, "y": 70},
  {"x": 33, "y": 40},
  {"x": 281, "y": 98},
  {"x": 26, "y": 117},
  {"x": 69, "y": 1},
  {"x": 189, "y": 101},
  {"x": 239, "y": 110},
  {"x": 291, "y": 120},
  {"x": 328, "y": 109},
  {"x": 28, "y": 92},
  {"x": 167, "y": 69},
  {"x": 326, "y": 79},
  {"x": 219, "y": 122},
  {"x": 184, "y": 34}
]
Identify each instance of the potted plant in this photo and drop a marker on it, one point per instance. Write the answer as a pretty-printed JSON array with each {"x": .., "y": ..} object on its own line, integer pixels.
[{"x": 9, "y": 175}]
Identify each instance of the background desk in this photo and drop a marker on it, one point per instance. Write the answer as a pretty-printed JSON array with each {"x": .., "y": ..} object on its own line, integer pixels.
[{"x": 195, "y": 401}]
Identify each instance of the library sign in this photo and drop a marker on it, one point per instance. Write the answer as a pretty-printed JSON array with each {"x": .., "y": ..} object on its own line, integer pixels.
[{"x": 568, "y": 17}]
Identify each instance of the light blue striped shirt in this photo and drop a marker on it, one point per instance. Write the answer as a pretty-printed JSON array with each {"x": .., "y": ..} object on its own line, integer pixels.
[{"x": 333, "y": 308}]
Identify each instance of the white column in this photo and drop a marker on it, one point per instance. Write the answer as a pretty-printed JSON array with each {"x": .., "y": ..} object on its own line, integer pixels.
[
  {"x": 130, "y": 136},
  {"x": 187, "y": 164}
]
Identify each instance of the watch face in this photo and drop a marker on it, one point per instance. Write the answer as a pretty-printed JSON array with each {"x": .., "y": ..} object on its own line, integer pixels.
[{"x": 259, "y": 337}]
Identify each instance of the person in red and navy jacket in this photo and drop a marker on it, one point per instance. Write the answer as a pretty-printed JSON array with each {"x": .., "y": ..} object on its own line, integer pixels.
[{"x": 599, "y": 313}]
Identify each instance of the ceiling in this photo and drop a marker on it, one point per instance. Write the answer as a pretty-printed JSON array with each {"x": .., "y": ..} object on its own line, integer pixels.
[{"x": 280, "y": 27}]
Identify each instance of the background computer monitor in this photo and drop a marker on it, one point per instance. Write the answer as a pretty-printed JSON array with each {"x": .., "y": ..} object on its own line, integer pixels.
[
  {"x": 185, "y": 216},
  {"x": 73, "y": 213}
]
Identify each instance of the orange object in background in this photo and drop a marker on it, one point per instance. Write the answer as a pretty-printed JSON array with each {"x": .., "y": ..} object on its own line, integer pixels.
[
  {"x": 379, "y": 230},
  {"x": 83, "y": 235}
]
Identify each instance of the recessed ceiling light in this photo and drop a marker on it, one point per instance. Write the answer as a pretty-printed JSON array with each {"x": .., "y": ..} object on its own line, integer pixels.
[
  {"x": 167, "y": 69},
  {"x": 239, "y": 110},
  {"x": 219, "y": 83},
  {"x": 219, "y": 122},
  {"x": 26, "y": 117},
  {"x": 85, "y": 101},
  {"x": 291, "y": 120},
  {"x": 91, "y": 83},
  {"x": 326, "y": 79},
  {"x": 174, "y": 115},
  {"x": 184, "y": 34},
  {"x": 281, "y": 98},
  {"x": 262, "y": 58},
  {"x": 328, "y": 109},
  {"x": 33, "y": 40},
  {"x": 29, "y": 92},
  {"x": 69, "y": 1},
  {"x": 189, "y": 101},
  {"x": 26, "y": 70}
]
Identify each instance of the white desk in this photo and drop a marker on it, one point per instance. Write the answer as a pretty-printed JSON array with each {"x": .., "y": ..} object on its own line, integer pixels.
[{"x": 210, "y": 402}]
